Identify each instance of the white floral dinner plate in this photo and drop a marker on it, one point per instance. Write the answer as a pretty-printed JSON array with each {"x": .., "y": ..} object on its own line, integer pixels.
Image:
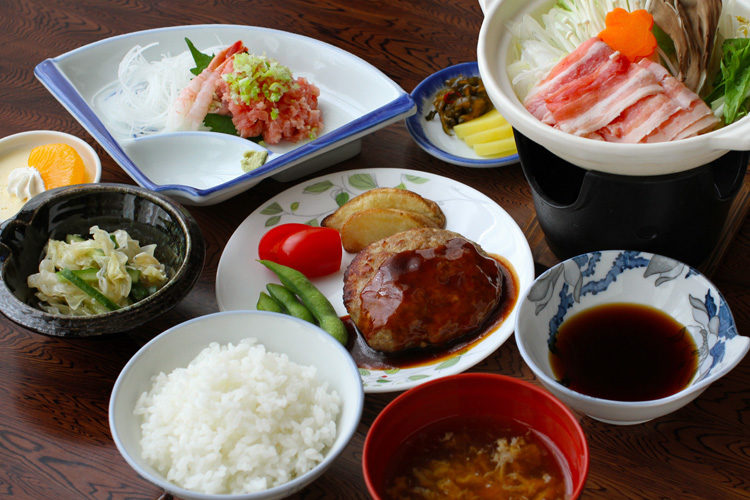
[
  {"x": 240, "y": 278},
  {"x": 203, "y": 168},
  {"x": 429, "y": 134}
]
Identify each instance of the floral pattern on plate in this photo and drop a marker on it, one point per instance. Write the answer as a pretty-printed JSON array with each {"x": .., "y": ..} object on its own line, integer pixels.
[{"x": 240, "y": 279}]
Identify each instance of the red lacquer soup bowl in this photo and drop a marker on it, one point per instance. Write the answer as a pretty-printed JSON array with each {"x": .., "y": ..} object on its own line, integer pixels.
[{"x": 413, "y": 424}]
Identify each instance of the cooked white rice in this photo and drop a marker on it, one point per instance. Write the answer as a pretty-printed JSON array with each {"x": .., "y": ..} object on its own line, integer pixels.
[{"x": 238, "y": 419}]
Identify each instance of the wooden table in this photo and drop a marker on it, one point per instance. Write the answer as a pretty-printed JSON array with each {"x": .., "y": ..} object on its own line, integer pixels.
[{"x": 54, "y": 435}]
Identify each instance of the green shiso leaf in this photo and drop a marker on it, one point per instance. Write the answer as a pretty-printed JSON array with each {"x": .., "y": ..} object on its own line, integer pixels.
[
  {"x": 220, "y": 123},
  {"x": 201, "y": 60}
]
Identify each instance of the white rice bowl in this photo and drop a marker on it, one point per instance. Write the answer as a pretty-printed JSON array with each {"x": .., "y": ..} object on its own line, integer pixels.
[
  {"x": 237, "y": 419},
  {"x": 209, "y": 412}
]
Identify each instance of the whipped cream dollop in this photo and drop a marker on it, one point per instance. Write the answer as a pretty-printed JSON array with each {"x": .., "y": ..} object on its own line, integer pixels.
[{"x": 25, "y": 182}]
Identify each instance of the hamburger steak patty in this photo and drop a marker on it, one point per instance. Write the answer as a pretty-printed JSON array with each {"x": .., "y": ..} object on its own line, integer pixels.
[{"x": 419, "y": 288}]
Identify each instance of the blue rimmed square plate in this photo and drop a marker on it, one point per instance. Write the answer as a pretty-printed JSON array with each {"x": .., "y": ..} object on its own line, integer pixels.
[
  {"x": 429, "y": 134},
  {"x": 203, "y": 168}
]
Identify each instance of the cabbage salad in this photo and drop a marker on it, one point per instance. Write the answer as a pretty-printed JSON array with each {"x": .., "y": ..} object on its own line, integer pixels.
[{"x": 83, "y": 277}]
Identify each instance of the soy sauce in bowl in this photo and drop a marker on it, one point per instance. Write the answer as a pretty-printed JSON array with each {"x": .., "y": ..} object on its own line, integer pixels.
[{"x": 624, "y": 352}]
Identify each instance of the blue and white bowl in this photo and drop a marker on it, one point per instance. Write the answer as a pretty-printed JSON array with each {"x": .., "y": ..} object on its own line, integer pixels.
[{"x": 611, "y": 276}]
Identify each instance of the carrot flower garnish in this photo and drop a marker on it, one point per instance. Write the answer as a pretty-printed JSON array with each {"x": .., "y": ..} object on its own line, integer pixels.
[{"x": 629, "y": 33}]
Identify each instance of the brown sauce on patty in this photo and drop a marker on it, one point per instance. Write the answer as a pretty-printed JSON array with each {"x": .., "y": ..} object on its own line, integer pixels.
[{"x": 368, "y": 358}]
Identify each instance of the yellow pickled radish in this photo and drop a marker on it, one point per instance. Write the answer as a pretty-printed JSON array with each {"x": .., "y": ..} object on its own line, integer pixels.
[
  {"x": 503, "y": 147},
  {"x": 489, "y": 135},
  {"x": 491, "y": 119},
  {"x": 59, "y": 165}
]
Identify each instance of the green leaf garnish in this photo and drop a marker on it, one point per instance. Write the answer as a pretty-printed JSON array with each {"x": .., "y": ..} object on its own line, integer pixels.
[
  {"x": 220, "y": 123},
  {"x": 201, "y": 60}
]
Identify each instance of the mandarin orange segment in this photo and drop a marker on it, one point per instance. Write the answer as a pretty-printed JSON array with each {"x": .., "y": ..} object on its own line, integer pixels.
[{"x": 58, "y": 164}]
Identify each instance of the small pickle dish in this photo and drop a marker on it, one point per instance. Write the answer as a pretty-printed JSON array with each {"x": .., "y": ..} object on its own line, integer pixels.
[
  {"x": 622, "y": 372},
  {"x": 146, "y": 216}
]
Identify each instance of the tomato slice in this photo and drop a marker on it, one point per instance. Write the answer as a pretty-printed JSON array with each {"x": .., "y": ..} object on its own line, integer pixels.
[
  {"x": 313, "y": 251},
  {"x": 271, "y": 241}
]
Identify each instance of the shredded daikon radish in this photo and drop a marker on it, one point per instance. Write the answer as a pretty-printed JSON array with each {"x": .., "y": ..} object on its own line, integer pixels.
[
  {"x": 138, "y": 102},
  {"x": 539, "y": 46}
]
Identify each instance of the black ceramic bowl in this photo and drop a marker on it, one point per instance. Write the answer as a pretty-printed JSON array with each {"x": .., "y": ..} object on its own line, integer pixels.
[{"x": 145, "y": 215}]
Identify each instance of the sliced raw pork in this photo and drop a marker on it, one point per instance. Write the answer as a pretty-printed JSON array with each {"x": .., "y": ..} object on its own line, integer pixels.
[{"x": 596, "y": 92}]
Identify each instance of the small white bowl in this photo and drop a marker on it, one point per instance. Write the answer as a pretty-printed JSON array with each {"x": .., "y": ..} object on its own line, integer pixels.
[
  {"x": 31, "y": 139},
  {"x": 611, "y": 276},
  {"x": 302, "y": 342}
]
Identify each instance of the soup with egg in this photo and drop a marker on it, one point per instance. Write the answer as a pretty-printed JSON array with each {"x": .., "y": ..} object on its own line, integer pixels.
[{"x": 478, "y": 458}]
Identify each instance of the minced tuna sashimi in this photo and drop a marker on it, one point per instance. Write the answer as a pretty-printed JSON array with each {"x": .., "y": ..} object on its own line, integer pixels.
[
  {"x": 259, "y": 94},
  {"x": 264, "y": 99}
]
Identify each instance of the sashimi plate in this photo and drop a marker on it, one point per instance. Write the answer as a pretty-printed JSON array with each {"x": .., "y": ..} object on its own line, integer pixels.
[
  {"x": 204, "y": 168},
  {"x": 240, "y": 278},
  {"x": 429, "y": 134}
]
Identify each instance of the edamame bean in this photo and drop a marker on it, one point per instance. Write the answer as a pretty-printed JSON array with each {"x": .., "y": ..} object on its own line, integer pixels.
[
  {"x": 268, "y": 303},
  {"x": 283, "y": 295},
  {"x": 315, "y": 301}
]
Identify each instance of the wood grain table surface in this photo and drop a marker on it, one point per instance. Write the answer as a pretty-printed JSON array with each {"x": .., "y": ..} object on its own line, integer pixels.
[{"x": 55, "y": 441}]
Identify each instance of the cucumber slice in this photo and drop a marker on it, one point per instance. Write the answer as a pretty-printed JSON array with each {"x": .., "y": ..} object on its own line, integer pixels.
[
  {"x": 88, "y": 274},
  {"x": 88, "y": 289}
]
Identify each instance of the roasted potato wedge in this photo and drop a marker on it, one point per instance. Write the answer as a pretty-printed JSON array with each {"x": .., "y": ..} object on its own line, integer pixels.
[
  {"x": 386, "y": 198},
  {"x": 373, "y": 224}
]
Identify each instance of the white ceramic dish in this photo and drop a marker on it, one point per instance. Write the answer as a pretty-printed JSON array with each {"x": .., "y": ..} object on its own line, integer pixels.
[
  {"x": 240, "y": 279},
  {"x": 28, "y": 140},
  {"x": 493, "y": 52},
  {"x": 635, "y": 277},
  {"x": 355, "y": 98},
  {"x": 429, "y": 134},
  {"x": 302, "y": 342}
]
